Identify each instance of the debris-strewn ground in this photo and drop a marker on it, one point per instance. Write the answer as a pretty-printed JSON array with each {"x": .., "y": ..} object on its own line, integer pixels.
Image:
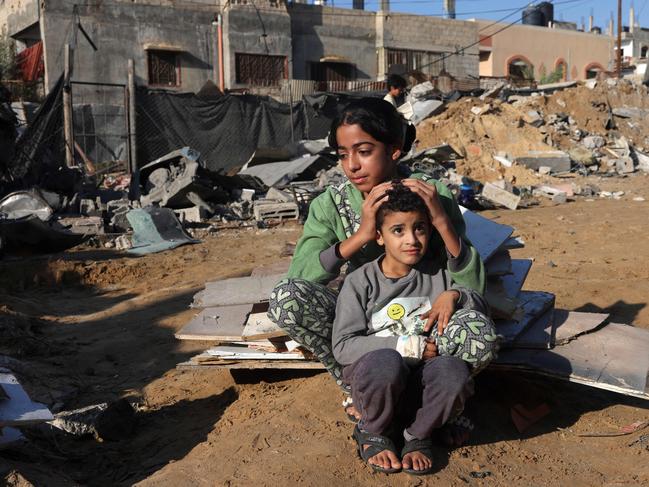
[{"x": 99, "y": 325}]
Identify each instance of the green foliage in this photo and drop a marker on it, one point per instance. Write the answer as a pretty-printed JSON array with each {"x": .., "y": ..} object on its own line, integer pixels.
[{"x": 554, "y": 77}]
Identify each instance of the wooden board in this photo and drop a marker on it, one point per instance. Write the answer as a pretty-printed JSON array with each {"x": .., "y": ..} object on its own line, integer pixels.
[
  {"x": 260, "y": 327},
  {"x": 534, "y": 305},
  {"x": 221, "y": 323},
  {"x": 613, "y": 358},
  {"x": 19, "y": 409},
  {"x": 571, "y": 324},
  {"x": 513, "y": 282},
  {"x": 255, "y": 364},
  {"x": 279, "y": 267},
  {"x": 485, "y": 235},
  {"x": 238, "y": 290},
  {"x": 499, "y": 264},
  {"x": 245, "y": 353}
]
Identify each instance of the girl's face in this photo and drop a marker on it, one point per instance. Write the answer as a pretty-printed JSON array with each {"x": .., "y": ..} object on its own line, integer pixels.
[{"x": 365, "y": 161}]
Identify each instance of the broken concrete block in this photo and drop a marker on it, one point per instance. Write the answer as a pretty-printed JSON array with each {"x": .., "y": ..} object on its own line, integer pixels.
[
  {"x": 533, "y": 118},
  {"x": 279, "y": 195},
  {"x": 493, "y": 92},
  {"x": 643, "y": 161},
  {"x": 593, "y": 142},
  {"x": 90, "y": 225},
  {"x": 503, "y": 160},
  {"x": 247, "y": 194},
  {"x": 561, "y": 103},
  {"x": 624, "y": 165},
  {"x": 545, "y": 170},
  {"x": 87, "y": 207},
  {"x": 590, "y": 84},
  {"x": 500, "y": 196},
  {"x": 555, "y": 194},
  {"x": 266, "y": 210},
  {"x": 504, "y": 184},
  {"x": 123, "y": 242},
  {"x": 480, "y": 110},
  {"x": 559, "y": 161},
  {"x": 195, "y": 214},
  {"x": 582, "y": 155}
]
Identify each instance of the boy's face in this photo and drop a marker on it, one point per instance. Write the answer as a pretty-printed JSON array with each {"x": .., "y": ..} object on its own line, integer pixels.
[
  {"x": 405, "y": 236},
  {"x": 366, "y": 161},
  {"x": 396, "y": 91}
]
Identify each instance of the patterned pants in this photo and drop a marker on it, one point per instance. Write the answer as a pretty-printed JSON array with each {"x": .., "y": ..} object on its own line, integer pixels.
[{"x": 306, "y": 310}]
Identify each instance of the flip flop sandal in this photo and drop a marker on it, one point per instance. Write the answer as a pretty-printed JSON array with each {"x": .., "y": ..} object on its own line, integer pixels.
[
  {"x": 423, "y": 446},
  {"x": 347, "y": 402},
  {"x": 377, "y": 444}
]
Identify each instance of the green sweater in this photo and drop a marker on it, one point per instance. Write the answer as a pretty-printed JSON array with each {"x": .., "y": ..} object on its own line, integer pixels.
[{"x": 335, "y": 215}]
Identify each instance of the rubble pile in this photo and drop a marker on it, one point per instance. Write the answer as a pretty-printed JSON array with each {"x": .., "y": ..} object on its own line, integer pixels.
[{"x": 526, "y": 137}]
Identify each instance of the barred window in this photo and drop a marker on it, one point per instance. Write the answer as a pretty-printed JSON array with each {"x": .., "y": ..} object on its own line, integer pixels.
[
  {"x": 164, "y": 68},
  {"x": 260, "y": 69},
  {"x": 410, "y": 60}
]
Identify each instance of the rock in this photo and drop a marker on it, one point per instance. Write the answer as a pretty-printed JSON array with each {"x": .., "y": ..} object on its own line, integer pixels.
[
  {"x": 559, "y": 161},
  {"x": 493, "y": 92},
  {"x": 590, "y": 84},
  {"x": 638, "y": 198},
  {"x": 624, "y": 165},
  {"x": 545, "y": 170},
  {"x": 500, "y": 196},
  {"x": 593, "y": 142},
  {"x": 643, "y": 161},
  {"x": 582, "y": 155},
  {"x": 561, "y": 103},
  {"x": 533, "y": 118}
]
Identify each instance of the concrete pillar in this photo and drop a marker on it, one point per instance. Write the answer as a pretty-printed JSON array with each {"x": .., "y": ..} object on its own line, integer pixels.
[
  {"x": 449, "y": 8},
  {"x": 611, "y": 32},
  {"x": 631, "y": 19},
  {"x": 382, "y": 58},
  {"x": 590, "y": 23},
  {"x": 384, "y": 6}
]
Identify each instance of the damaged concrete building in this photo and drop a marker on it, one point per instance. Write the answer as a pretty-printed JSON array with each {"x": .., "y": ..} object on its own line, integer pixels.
[{"x": 179, "y": 45}]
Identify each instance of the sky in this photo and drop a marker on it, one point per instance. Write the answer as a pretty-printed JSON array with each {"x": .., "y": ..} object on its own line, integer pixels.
[{"x": 566, "y": 10}]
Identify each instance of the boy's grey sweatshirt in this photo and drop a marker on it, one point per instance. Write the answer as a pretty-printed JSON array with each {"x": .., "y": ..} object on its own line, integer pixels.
[{"x": 375, "y": 312}]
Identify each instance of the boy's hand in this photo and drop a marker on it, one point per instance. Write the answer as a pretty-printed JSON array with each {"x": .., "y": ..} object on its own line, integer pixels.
[
  {"x": 430, "y": 351},
  {"x": 441, "y": 311}
]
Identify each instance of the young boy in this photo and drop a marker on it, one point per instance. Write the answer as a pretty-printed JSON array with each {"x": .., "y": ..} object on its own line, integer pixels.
[{"x": 383, "y": 314}]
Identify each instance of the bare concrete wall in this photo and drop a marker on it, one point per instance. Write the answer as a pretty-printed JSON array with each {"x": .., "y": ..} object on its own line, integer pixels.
[
  {"x": 262, "y": 28},
  {"x": 324, "y": 31},
  {"x": 17, "y": 15},
  {"x": 122, "y": 31},
  {"x": 415, "y": 32}
]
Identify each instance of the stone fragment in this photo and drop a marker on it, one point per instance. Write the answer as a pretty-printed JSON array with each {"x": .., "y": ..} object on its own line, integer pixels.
[
  {"x": 500, "y": 196},
  {"x": 559, "y": 161},
  {"x": 593, "y": 142}
]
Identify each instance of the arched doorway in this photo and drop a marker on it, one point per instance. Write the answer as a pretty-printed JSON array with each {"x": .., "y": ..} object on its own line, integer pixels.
[
  {"x": 643, "y": 51},
  {"x": 519, "y": 68},
  {"x": 561, "y": 69},
  {"x": 592, "y": 69}
]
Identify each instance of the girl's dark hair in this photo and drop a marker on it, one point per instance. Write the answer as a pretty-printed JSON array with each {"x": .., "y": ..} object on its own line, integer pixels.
[
  {"x": 378, "y": 118},
  {"x": 402, "y": 199}
]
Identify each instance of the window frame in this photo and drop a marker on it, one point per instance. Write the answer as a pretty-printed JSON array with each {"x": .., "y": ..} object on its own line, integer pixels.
[{"x": 178, "y": 71}]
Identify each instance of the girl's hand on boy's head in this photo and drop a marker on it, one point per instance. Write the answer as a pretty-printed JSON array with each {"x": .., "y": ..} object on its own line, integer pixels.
[
  {"x": 428, "y": 193},
  {"x": 371, "y": 204},
  {"x": 441, "y": 311}
]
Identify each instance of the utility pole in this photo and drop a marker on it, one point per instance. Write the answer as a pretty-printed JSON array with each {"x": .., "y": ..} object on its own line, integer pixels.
[{"x": 618, "y": 68}]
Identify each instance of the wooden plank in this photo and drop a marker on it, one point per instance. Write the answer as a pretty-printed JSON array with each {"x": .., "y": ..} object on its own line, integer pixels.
[
  {"x": 238, "y": 290},
  {"x": 571, "y": 324},
  {"x": 260, "y": 327},
  {"x": 279, "y": 267},
  {"x": 534, "y": 304},
  {"x": 485, "y": 235},
  {"x": 221, "y": 323},
  {"x": 255, "y": 364},
  {"x": 513, "y": 282},
  {"x": 245, "y": 353},
  {"x": 19, "y": 409},
  {"x": 613, "y": 358}
]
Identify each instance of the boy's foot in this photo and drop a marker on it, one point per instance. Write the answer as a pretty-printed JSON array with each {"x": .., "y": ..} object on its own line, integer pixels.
[
  {"x": 457, "y": 432},
  {"x": 352, "y": 413},
  {"x": 417, "y": 456},
  {"x": 377, "y": 451}
]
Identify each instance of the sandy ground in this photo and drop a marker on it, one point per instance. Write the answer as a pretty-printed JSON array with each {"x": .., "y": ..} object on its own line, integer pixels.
[{"x": 90, "y": 326}]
